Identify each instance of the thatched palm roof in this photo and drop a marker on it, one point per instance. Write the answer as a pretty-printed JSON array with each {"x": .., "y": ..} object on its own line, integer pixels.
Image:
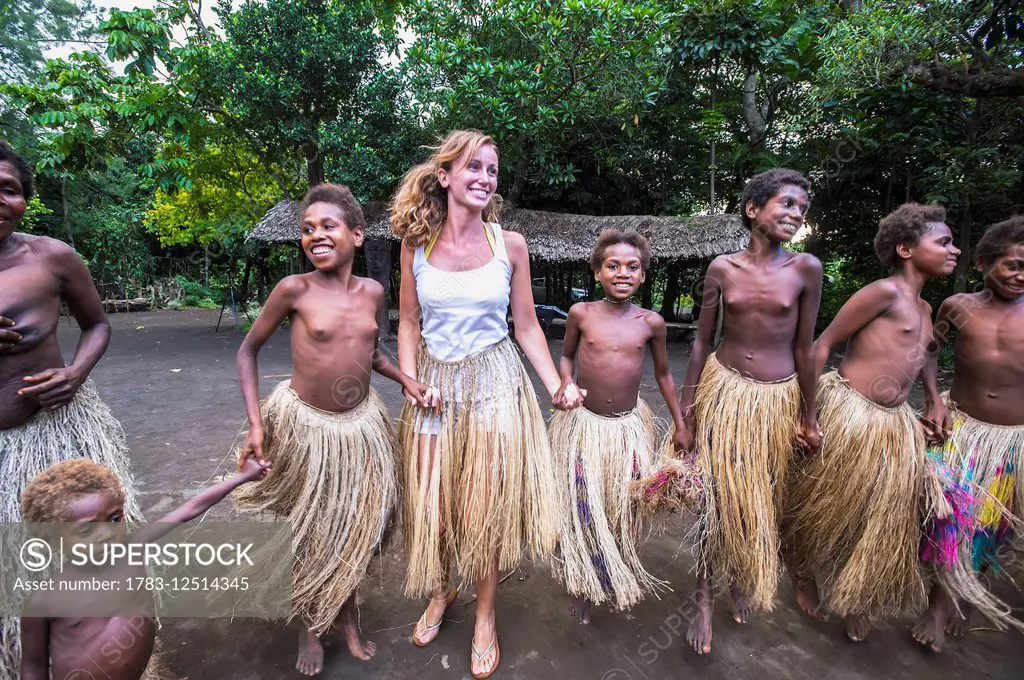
[{"x": 559, "y": 237}]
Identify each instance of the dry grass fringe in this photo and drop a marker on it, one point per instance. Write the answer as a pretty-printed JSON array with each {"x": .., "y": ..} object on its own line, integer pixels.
[
  {"x": 673, "y": 485},
  {"x": 746, "y": 433},
  {"x": 489, "y": 491},
  {"x": 335, "y": 478},
  {"x": 84, "y": 428},
  {"x": 978, "y": 453},
  {"x": 856, "y": 508},
  {"x": 597, "y": 459}
]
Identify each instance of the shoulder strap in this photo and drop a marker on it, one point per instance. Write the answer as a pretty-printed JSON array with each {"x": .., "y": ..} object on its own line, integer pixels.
[
  {"x": 487, "y": 233},
  {"x": 430, "y": 244}
]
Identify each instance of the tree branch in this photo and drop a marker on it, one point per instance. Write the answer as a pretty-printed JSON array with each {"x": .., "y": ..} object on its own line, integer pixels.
[{"x": 973, "y": 81}]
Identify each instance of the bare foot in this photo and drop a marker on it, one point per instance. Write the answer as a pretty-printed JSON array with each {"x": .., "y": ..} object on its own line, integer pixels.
[
  {"x": 857, "y": 627},
  {"x": 311, "y": 653},
  {"x": 348, "y": 622},
  {"x": 699, "y": 632},
  {"x": 930, "y": 628},
  {"x": 580, "y": 608},
  {"x": 484, "y": 658},
  {"x": 959, "y": 622},
  {"x": 806, "y": 592},
  {"x": 741, "y": 607}
]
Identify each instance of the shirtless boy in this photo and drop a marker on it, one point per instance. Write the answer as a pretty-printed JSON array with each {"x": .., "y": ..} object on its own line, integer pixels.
[
  {"x": 981, "y": 419},
  {"x": 327, "y": 433},
  {"x": 748, "y": 404},
  {"x": 607, "y": 443},
  {"x": 854, "y": 521},
  {"x": 88, "y": 500}
]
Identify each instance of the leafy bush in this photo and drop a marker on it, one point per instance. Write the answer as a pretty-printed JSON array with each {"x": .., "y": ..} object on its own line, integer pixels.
[{"x": 195, "y": 294}]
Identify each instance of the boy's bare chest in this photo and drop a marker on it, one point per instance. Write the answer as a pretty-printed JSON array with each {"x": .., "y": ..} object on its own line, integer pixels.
[
  {"x": 775, "y": 293},
  {"x": 603, "y": 339},
  {"x": 24, "y": 286},
  {"x": 994, "y": 337},
  {"x": 328, "y": 319}
]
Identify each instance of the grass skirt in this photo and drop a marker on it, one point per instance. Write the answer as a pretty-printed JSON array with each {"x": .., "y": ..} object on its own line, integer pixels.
[
  {"x": 856, "y": 509},
  {"x": 745, "y": 434},
  {"x": 84, "y": 428},
  {"x": 488, "y": 491},
  {"x": 988, "y": 459},
  {"x": 335, "y": 479},
  {"x": 597, "y": 459}
]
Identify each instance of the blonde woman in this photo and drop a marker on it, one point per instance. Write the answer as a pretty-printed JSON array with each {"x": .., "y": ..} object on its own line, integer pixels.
[{"x": 479, "y": 480}]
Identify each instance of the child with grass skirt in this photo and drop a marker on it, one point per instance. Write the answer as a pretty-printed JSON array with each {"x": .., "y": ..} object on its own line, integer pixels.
[{"x": 605, "y": 445}]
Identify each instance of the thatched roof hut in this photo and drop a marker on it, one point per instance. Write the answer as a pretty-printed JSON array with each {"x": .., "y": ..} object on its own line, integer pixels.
[{"x": 556, "y": 237}]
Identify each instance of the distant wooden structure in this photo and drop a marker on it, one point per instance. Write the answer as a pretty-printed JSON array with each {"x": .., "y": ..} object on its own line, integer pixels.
[{"x": 558, "y": 242}]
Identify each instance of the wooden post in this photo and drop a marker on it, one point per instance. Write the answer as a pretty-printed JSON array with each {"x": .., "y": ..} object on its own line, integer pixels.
[{"x": 378, "y": 267}]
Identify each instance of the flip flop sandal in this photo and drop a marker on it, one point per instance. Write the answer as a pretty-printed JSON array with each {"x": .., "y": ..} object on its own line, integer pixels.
[
  {"x": 428, "y": 628},
  {"x": 478, "y": 656}
]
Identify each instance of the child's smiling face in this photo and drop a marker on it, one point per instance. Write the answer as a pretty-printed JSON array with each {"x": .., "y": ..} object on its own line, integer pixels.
[
  {"x": 1005, "y": 275},
  {"x": 622, "y": 271},
  {"x": 93, "y": 518},
  {"x": 326, "y": 239}
]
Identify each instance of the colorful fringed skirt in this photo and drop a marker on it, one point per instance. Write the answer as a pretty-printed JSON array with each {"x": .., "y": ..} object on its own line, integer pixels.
[
  {"x": 335, "y": 479},
  {"x": 984, "y": 465},
  {"x": 855, "y": 509},
  {"x": 597, "y": 458},
  {"x": 479, "y": 485},
  {"x": 744, "y": 439},
  {"x": 83, "y": 428}
]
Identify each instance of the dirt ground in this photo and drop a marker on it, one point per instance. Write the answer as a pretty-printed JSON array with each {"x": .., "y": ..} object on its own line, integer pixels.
[{"x": 171, "y": 382}]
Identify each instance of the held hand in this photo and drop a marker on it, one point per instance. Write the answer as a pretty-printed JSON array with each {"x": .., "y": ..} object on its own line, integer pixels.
[
  {"x": 422, "y": 395},
  {"x": 53, "y": 387},
  {"x": 252, "y": 448},
  {"x": 682, "y": 442},
  {"x": 808, "y": 436},
  {"x": 8, "y": 338},
  {"x": 937, "y": 422},
  {"x": 571, "y": 397},
  {"x": 253, "y": 469}
]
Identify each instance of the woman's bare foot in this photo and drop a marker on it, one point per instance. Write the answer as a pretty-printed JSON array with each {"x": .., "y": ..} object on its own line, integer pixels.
[
  {"x": 348, "y": 623},
  {"x": 311, "y": 653},
  {"x": 484, "y": 659},
  {"x": 699, "y": 632},
  {"x": 806, "y": 591},
  {"x": 741, "y": 606},
  {"x": 580, "y": 608},
  {"x": 857, "y": 627}
]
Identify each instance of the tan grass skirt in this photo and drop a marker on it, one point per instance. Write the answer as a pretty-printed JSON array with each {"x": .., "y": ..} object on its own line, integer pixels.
[
  {"x": 744, "y": 439},
  {"x": 856, "y": 508},
  {"x": 335, "y": 479},
  {"x": 487, "y": 493},
  {"x": 597, "y": 458},
  {"x": 84, "y": 428}
]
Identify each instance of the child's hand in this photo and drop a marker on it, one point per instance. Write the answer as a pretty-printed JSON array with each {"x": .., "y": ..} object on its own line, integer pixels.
[
  {"x": 422, "y": 395},
  {"x": 808, "y": 435},
  {"x": 682, "y": 442},
  {"x": 937, "y": 422},
  {"x": 252, "y": 447},
  {"x": 253, "y": 469}
]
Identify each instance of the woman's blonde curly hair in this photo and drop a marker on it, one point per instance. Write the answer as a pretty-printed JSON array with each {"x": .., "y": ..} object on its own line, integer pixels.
[{"x": 420, "y": 206}]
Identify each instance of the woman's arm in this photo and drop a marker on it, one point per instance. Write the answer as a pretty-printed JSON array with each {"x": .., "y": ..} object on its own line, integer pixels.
[
  {"x": 529, "y": 334},
  {"x": 408, "y": 316},
  {"x": 415, "y": 392}
]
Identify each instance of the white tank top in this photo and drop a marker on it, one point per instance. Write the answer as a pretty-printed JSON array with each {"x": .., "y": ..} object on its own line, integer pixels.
[{"x": 464, "y": 313}]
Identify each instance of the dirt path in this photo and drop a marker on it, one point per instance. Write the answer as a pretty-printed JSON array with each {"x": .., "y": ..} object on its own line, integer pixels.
[{"x": 171, "y": 381}]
